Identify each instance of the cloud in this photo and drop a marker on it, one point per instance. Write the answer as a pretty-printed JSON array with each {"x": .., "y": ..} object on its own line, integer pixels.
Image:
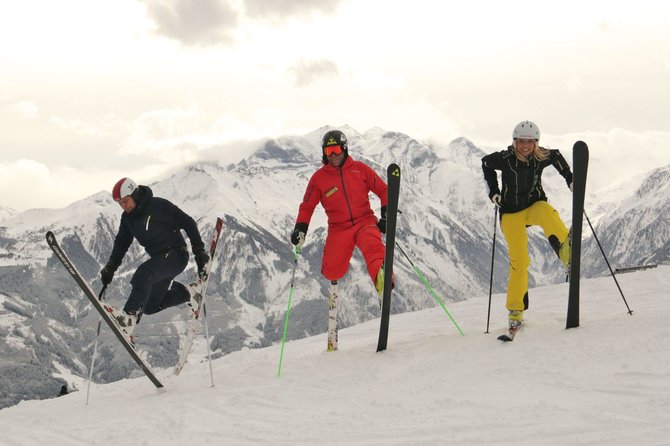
[
  {"x": 213, "y": 22},
  {"x": 202, "y": 22},
  {"x": 173, "y": 136},
  {"x": 165, "y": 130},
  {"x": 616, "y": 154},
  {"x": 308, "y": 71},
  {"x": 574, "y": 85},
  {"x": 281, "y": 9},
  {"x": 105, "y": 126},
  {"x": 166, "y": 139},
  {"x": 25, "y": 109},
  {"x": 31, "y": 184}
]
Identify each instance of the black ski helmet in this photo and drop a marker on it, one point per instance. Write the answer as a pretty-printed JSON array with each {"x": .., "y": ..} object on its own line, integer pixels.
[{"x": 334, "y": 138}]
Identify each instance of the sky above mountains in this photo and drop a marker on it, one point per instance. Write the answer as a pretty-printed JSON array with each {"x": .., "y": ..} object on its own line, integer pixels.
[{"x": 94, "y": 92}]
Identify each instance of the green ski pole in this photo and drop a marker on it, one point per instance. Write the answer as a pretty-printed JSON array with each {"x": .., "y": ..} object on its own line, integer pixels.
[
  {"x": 425, "y": 282},
  {"x": 298, "y": 248}
]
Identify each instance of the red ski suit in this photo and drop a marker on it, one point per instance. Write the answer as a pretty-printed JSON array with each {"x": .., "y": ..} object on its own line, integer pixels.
[{"x": 343, "y": 193}]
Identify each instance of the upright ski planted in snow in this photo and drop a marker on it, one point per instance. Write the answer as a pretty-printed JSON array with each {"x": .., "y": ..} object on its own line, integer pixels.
[
  {"x": 88, "y": 292},
  {"x": 580, "y": 164},
  {"x": 187, "y": 341},
  {"x": 332, "y": 316},
  {"x": 393, "y": 178}
]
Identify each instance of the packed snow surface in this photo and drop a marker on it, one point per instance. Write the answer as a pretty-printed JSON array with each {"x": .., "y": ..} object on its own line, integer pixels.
[{"x": 604, "y": 383}]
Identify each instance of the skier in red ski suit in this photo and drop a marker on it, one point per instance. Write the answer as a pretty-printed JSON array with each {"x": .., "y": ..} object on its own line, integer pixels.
[{"x": 342, "y": 186}]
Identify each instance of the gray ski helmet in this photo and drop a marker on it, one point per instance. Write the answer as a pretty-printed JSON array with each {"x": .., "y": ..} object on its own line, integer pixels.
[
  {"x": 526, "y": 130},
  {"x": 334, "y": 138}
]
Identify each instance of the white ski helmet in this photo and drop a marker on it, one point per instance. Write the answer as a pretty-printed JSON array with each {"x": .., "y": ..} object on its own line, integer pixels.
[
  {"x": 123, "y": 188},
  {"x": 526, "y": 130}
]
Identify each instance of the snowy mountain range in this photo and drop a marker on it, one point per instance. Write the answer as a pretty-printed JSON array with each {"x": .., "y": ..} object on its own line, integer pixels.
[{"x": 446, "y": 228}]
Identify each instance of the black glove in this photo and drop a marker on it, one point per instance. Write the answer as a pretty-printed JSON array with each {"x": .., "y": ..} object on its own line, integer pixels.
[
  {"x": 296, "y": 238},
  {"x": 201, "y": 259},
  {"x": 381, "y": 224},
  {"x": 107, "y": 274}
]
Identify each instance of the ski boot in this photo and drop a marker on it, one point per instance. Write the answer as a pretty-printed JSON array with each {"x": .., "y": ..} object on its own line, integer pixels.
[
  {"x": 565, "y": 252},
  {"x": 379, "y": 285},
  {"x": 515, "y": 323},
  {"x": 126, "y": 321}
]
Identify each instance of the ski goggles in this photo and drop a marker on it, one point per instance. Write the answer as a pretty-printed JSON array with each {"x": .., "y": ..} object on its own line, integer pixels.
[{"x": 332, "y": 150}]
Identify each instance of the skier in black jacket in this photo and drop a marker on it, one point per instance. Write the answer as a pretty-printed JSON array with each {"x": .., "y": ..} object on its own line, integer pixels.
[
  {"x": 155, "y": 223},
  {"x": 522, "y": 203}
]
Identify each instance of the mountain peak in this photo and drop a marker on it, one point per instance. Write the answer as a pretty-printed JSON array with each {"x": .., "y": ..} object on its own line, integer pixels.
[
  {"x": 6, "y": 213},
  {"x": 657, "y": 179}
]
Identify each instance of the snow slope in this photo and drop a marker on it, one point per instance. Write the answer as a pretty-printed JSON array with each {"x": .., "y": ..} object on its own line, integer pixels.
[{"x": 606, "y": 382}]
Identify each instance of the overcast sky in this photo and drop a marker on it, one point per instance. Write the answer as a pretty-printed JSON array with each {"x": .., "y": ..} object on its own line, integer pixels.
[{"x": 91, "y": 91}]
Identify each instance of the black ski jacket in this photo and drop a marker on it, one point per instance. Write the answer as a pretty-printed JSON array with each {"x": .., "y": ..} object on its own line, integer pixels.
[
  {"x": 521, "y": 180},
  {"x": 156, "y": 224}
]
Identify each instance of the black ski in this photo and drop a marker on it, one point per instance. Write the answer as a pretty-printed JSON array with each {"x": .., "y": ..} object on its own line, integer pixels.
[
  {"x": 580, "y": 164},
  {"x": 393, "y": 178},
  {"x": 88, "y": 292}
]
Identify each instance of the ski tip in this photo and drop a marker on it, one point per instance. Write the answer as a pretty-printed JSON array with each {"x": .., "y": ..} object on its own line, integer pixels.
[
  {"x": 393, "y": 170},
  {"x": 505, "y": 338},
  {"x": 50, "y": 235},
  {"x": 580, "y": 145}
]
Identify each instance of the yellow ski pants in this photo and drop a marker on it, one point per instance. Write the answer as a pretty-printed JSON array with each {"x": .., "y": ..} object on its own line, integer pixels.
[{"x": 513, "y": 227}]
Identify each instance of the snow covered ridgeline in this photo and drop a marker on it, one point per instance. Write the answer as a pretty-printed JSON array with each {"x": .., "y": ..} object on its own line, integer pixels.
[{"x": 606, "y": 382}]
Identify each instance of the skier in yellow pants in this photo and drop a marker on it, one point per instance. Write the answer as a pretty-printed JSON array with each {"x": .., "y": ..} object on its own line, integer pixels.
[{"x": 523, "y": 203}]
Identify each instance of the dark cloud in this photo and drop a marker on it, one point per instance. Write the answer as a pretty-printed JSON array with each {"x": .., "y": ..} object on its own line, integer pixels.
[
  {"x": 211, "y": 22},
  {"x": 308, "y": 71},
  {"x": 280, "y": 9},
  {"x": 201, "y": 22}
]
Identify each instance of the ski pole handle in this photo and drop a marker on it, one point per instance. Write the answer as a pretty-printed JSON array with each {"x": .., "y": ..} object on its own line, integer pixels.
[{"x": 301, "y": 240}]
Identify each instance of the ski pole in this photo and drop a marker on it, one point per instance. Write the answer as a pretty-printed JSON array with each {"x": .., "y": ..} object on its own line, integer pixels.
[
  {"x": 608, "y": 263},
  {"x": 298, "y": 248},
  {"x": 493, "y": 256},
  {"x": 95, "y": 347},
  {"x": 425, "y": 282}
]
